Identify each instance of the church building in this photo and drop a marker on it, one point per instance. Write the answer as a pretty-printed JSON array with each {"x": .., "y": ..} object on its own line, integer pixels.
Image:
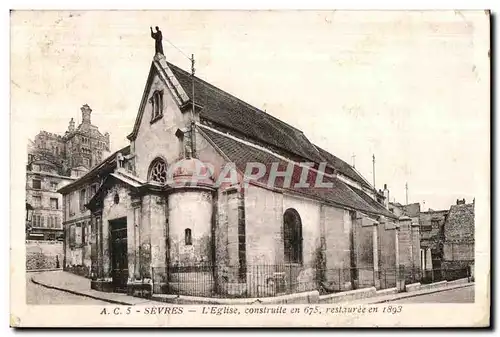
[{"x": 214, "y": 197}]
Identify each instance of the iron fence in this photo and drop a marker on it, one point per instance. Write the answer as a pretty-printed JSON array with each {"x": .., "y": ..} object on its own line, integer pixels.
[
  {"x": 413, "y": 275},
  {"x": 266, "y": 280},
  {"x": 218, "y": 281}
]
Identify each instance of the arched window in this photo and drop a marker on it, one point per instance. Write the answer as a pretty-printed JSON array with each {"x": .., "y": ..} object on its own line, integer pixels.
[
  {"x": 292, "y": 230},
  {"x": 188, "y": 240},
  {"x": 158, "y": 171},
  {"x": 157, "y": 105}
]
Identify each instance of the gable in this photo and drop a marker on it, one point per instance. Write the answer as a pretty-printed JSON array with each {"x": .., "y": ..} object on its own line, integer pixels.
[
  {"x": 96, "y": 202},
  {"x": 156, "y": 137},
  {"x": 159, "y": 71}
]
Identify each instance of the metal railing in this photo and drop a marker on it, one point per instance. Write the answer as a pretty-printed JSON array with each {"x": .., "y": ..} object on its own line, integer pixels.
[
  {"x": 413, "y": 275},
  {"x": 266, "y": 280}
]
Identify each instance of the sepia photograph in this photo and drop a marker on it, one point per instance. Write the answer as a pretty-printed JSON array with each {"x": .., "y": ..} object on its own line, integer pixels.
[{"x": 250, "y": 168}]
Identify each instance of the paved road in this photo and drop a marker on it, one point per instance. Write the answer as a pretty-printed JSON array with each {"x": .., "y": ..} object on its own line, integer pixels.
[
  {"x": 459, "y": 295},
  {"x": 37, "y": 294}
]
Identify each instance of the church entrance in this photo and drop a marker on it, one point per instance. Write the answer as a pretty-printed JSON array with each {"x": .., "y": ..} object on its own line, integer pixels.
[{"x": 119, "y": 260}]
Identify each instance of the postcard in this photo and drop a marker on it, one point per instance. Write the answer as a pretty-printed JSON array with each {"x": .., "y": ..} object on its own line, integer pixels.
[{"x": 283, "y": 168}]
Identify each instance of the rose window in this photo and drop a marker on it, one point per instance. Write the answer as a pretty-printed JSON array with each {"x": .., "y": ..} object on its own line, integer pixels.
[{"x": 159, "y": 172}]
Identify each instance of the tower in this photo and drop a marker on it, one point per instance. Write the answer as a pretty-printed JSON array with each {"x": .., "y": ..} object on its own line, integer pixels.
[
  {"x": 86, "y": 111},
  {"x": 71, "y": 126}
]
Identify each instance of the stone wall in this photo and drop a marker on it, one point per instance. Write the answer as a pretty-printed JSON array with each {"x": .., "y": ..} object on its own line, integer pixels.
[
  {"x": 409, "y": 249},
  {"x": 387, "y": 254},
  {"x": 44, "y": 255},
  {"x": 264, "y": 227},
  {"x": 337, "y": 225},
  {"x": 405, "y": 248},
  {"x": 459, "y": 251},
  {"x": 363, "y": 246},
  {"x": 190, "y": 210}
]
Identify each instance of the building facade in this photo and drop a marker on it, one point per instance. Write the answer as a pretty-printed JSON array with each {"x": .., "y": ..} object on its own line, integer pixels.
[
  {"x": 446, "y": 248},
  {"x": 179, "y": 211},
  {"x": 54, "y": 161},
  {"x": 458, "y": 243},
  {"x": 42, "y": 183},
  {"x": 77, "y": 223},
  {"x": 431, "y": 242}
]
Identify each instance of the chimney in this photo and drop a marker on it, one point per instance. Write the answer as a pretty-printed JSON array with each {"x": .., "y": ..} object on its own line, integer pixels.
[
  {"x": 71, "y": 126},
  {"x": 86, "y": 110},
  {"x": 386, "y": 196}
]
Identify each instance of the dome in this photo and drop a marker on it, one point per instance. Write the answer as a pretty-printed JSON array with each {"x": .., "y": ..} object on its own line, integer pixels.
[{"x": 191, "y": 170}]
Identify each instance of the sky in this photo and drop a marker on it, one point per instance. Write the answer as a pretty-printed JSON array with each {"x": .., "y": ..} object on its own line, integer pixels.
[{"x": 412, "y": 88}]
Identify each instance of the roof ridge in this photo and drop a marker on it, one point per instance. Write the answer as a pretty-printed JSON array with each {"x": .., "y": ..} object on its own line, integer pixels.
[
  {"x": 231, "y": 96},
  {"x": 257, "y": 146},
  {"x": 364, "y": 180},
  {"x": 386, "y": 212}
]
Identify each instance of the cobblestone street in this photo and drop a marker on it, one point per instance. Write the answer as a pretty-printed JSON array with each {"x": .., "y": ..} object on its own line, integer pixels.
[
  {"x": 460, "y": 295},
  {"x": 36, "y": 294}
]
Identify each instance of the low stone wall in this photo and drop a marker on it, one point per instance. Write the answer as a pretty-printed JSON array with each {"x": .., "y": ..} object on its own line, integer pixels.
[
  {"x": 310, "y": 296},
  {"x": 389, "y": 291},
  {"x": 459, "y": 281},
  {"x": 297, "y": 298},
  {"x": 41, "y": 255},
  {"x": 347, "y": 296},
  {"x": 412, "y": 287},
  {"x": 436, "y": 285}
]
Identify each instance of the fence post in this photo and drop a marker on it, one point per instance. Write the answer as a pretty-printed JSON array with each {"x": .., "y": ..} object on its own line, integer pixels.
[{"x": 152, "y": 280}]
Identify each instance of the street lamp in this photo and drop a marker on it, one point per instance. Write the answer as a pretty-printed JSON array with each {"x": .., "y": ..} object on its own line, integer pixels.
[{"x": 29, "y": 217}]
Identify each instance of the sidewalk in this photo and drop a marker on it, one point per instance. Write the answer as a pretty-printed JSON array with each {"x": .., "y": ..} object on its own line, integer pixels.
[
  {"x": 78, "y": 285},
  {"x": 398, "y": 296}
]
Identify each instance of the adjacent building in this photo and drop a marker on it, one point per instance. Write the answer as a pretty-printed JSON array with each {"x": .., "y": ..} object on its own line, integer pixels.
[
  {"x": 431, "y": 242},
  {"x": 446, "y": 239},
  {"x": 178, "y": 210},
  {"x": 54, "y": 161},
  {"x": 44, "y": 176},
  {"x": 458, "y": 240}
]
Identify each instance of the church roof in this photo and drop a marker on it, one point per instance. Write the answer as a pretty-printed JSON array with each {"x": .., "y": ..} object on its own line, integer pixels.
[
  {"x": 232, "y": 113},
  {"x": 342, "y": 167},
  {"x": 228, "y": 113},
  {"x": 241, "y": 153}
]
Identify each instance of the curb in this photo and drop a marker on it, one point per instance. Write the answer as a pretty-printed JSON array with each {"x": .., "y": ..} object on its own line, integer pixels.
[
  {"x": 43, "y": 270},
  {"x": 80, "y": 294},
  {"x": 410, "y": 294}
]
